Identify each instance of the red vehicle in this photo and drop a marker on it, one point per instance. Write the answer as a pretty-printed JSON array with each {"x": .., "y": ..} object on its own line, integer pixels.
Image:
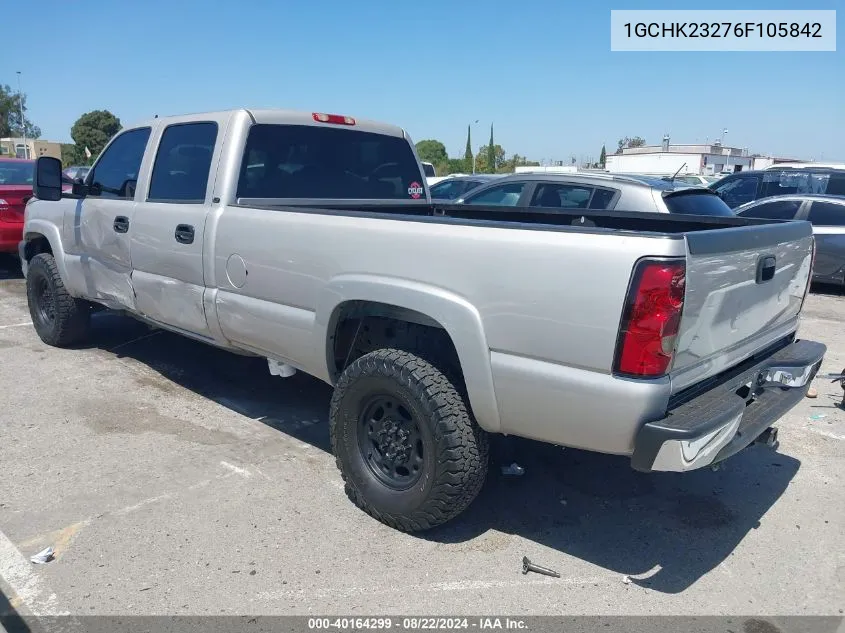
[{"x": 16, "y": 175}]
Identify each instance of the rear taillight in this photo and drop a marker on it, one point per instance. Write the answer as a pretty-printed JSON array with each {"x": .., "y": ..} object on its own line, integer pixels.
[
  {"x": 651, "y": 319},
  {"x": 338, "y": 119}
]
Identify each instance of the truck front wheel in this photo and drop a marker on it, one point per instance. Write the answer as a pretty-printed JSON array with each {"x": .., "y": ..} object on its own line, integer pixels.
[
  {"x": 59, "y": 319},
  {"x": 405, "y": 443}
]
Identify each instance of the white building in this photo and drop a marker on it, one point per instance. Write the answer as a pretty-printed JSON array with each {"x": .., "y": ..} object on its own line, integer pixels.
[
  {"x": 709, "y": 159},
  {"x": 29, "y": 148}
]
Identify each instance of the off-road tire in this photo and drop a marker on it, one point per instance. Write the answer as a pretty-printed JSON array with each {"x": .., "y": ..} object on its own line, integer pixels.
[
  {"x": 70, "y": 317},
  {"x": 456, "y": 448}
]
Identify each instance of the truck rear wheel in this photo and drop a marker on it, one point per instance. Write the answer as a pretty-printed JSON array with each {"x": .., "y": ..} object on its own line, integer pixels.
[
  {"x": 404, "y": 441},
  {"x": 59, "y": 319}
]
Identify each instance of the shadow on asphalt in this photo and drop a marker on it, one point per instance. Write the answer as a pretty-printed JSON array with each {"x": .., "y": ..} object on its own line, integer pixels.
[
  {"x": 10, "y": 620},
  {"x": 10, "y": 267},
  {"x": 829, "y": 290},
  {"x": 669, "y": 529}
]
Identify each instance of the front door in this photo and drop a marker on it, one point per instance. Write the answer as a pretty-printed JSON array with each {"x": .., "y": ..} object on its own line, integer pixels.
[
  {"x": 169, "y": 227},
  {"x": 100, "y": 224}
]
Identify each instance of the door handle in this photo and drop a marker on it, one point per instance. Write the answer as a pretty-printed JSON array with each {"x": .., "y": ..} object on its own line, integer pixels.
[
  {"x": 184, "y": 234},
  {"x": 766, "y": 268},
  {"x": 121, "y": 224}
]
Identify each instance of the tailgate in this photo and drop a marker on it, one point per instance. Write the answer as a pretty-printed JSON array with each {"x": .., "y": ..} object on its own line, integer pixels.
[{"x": 744, "y": 290}]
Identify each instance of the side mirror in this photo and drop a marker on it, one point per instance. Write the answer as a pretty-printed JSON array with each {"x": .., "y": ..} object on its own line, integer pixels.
[{"x": 48, "y": 178}]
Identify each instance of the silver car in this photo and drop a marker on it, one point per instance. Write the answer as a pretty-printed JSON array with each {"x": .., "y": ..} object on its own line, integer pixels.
[
  {"x": 597, "y": 192},
  {"x": 825, "y": 212},
  {"x": 454, "y": 187}
]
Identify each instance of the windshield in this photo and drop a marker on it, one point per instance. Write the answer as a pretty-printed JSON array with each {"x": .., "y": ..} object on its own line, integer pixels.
[
  {"x": 696, "y": 202},
  {"x": 16, "y": 173}
]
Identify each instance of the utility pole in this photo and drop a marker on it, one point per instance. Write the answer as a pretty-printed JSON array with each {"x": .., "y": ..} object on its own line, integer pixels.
[{"x": 23, "y": 123}]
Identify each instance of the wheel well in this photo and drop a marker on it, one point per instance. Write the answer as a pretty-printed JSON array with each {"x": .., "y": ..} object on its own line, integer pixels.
[
  {"x": 35, "y": 244},
  {"x": 361, "y": 327}
]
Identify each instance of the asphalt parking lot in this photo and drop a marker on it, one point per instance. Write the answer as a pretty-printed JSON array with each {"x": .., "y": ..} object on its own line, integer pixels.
[{"x": 173, "y": 478}]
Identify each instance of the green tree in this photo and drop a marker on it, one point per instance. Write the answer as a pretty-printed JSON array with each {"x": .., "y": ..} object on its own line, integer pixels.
[
  {"x": 71, "y": 155},
  {"x": 491, "y": 153},
  {"x": 637, "y": 141},
  {"x": 468, "y": 150},
  {"x": 515, "y": 161},
  {"x": 482, "y": 160},
  {"x": 10, "y": 115},
  {"x": 93, "y": 130},
  {"x": 603, "y": 156},
  {"x": 432, "y": 151}
]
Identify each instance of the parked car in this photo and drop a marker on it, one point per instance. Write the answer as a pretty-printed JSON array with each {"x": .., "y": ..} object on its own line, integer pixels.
[
  {"x": 16, "y": 177},
  {"x": 827, "y": 214},
  {"x": 807, "y": 166},
  {"x": 747, "y": 186},
  {"x": 453, "y": 187},
  {"x": 76, "y": 172},
  {"x": 436, "y": 325},
  {"x": 597, "y": 191},
  {"x": 695, "y": 179}
]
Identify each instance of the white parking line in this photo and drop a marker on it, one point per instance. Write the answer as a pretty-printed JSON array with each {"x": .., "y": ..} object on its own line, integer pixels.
[
  {"x": 243, "y": 472},
  {"x": 24, "y": 580},
  {"x": 3, "y": 327},
  {"x": 826, "y": 433}
]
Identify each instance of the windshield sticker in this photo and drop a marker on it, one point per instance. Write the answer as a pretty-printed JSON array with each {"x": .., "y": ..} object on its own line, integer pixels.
[{"x": 415, "y": 190}]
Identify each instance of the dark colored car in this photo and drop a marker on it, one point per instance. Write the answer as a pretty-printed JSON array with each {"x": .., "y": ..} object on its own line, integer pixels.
[
  {"x": 454, "y": 187},
  {"x": 747, "y": 186},
  {"x": 826, "y": 213}
]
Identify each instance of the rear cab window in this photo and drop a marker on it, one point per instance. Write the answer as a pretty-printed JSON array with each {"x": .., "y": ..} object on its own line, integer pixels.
[{"x": 329, "y": 163}]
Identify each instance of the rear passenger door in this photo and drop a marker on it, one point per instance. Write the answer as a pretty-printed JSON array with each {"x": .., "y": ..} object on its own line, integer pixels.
[
  {"x": 828, "y": 220},
  {"x": 565, "y": 196},
  {"x": 169, "y": 225}
]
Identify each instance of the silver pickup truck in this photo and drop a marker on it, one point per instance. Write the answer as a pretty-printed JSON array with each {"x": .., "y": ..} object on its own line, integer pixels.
[{"x": 310, "y": 240}]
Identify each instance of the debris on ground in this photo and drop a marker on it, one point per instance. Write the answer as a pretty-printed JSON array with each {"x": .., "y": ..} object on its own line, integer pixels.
[
  {"x": 527, "y": 566},
  {"x": 812, "y": 392},
  {"x": 514, "y": 470},
  {"x": 42, "y": 557},
  {"x": 626, "y": 580},
  {"x": 818, "y": 416}
]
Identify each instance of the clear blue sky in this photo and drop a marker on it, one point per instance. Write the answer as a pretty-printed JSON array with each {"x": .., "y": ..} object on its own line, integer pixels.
[{"x": 542, "y": 70}]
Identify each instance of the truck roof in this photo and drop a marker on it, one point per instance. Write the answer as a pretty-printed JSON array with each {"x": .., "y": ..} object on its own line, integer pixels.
[{"x": 280, "y": 117}]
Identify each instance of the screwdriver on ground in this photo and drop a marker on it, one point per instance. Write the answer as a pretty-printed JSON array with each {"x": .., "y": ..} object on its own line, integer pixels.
[{"x": 527, "y": 566}]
